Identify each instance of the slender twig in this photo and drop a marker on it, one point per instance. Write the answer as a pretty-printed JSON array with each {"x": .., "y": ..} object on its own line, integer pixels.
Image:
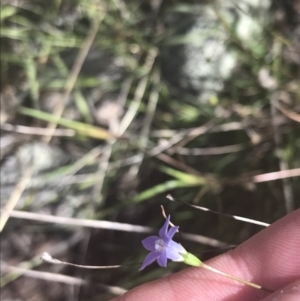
[
  {"x": 151, "y": 107},
  {"x": 178, "y": 164},
  {"x": 288, "y": 113},
  {"x": 226, "y": 127},
  {"x": 277, "y": 175},
  {"x": 102, "y": 170},
  {"x": 43, "y": 275},
  {"x": 209, "y": 151},
  {"x": 79, "y": 222},
  {"x": 70, "y": 83},
  {"x": 236, "y": 217},
  {"x": 179, "y": 136},
  {"x": 15, "y": 196},
  {"x": 55, "y": 277},
  {"x": 48, "y": 258},
  {"x": 139, "y": 93},
  {"x": 283, "y": 164},
  {"x": 109, "y": 225},
  {"x": 29, "y": 130}
]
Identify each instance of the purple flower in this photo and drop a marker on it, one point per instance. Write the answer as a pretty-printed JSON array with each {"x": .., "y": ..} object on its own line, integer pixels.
[{"x": 162, "y": 247}]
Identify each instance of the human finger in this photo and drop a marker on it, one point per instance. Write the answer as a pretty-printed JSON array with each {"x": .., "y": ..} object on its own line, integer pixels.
[
  {"x": 288, "y": 293},
  {"x": 270, "y": 258}
]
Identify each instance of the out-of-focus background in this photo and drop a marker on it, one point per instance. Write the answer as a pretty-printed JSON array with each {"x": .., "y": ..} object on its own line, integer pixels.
[{"x": 109, "y": 106}]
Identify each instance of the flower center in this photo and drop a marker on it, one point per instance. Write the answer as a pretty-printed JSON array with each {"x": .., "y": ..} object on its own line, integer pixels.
[{"x": 159, "y": 245}]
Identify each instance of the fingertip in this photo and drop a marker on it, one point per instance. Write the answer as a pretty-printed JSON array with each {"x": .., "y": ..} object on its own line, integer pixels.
[{"x": 289, "y": 293}]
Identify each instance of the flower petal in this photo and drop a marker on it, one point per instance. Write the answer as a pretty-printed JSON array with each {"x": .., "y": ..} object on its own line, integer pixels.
[
  {"x": 177, "y": 247},
  {"x": 172, "y": 232},
  {"x": 164, "y": 230},
  {"x": 151, "y": 257},
  {"x": 149, "y": 242},
  {"x": 162, "y": 259},
  {"x": 174, "y": 251}
]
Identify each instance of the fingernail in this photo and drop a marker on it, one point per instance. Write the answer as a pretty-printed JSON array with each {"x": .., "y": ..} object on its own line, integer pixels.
[{"x": 289, "y": 293}]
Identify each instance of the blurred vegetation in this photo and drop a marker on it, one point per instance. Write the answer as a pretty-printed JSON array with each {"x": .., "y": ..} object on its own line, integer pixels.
[{"x": 128, "y": 134}]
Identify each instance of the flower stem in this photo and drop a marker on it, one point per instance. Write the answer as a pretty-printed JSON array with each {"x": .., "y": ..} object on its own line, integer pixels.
[{"x": 207, "y": 267}]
